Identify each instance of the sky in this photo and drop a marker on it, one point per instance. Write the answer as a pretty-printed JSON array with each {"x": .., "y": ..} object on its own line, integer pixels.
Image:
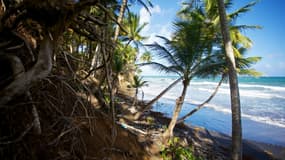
[{"x": 269, "y": 42}]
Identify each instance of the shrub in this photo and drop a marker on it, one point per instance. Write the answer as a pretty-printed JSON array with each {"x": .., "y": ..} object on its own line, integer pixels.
[{"x": 175, "y": 151}]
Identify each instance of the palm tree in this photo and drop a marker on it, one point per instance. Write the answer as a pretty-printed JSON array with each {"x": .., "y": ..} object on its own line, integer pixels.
[
  {"x": 243, "y": 68},
  {"x": 133, "y": 28},
  {"x": 184, "y": 54},
  {"x": 138, "y": 83},
  {"x": 231, "y": 39},
  {"x": 235, "y": 98},
  {"x": 215, "y": 13}
]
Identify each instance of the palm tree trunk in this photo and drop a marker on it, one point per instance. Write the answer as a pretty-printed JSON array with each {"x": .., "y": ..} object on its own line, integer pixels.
[
  {"x": 149, "y": 104},
  {"x": 136, "y": 97},
  {"x": 203, "y": 104},
  {"x": 120, "y": 19},
  {"x": 179, "y": 102},
  {"x": 235, "y": 98}
]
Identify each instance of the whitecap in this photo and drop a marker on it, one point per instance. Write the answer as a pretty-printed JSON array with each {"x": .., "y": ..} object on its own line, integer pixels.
[
  {"x": 274, "y": 88},
  {"x": 264, "y": 119}
]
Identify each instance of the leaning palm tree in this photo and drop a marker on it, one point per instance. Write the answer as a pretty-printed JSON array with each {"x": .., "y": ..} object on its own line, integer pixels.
[
  {"x": 184, "y": 54},
  {"x": 243, "y": 68}
]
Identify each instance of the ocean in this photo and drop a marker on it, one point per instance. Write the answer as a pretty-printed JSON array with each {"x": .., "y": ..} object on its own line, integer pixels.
[{"x": 262, "y": 105}]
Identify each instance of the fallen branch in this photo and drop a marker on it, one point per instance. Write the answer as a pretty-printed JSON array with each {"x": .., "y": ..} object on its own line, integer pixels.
[{"x": 126, "y": 126}]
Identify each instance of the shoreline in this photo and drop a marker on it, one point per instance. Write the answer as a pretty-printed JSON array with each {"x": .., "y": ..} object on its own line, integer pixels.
[
  {"x": 215, "y": 144},
  {"x": 221, "y": 122},
  {"x": 222, "y": 142}
]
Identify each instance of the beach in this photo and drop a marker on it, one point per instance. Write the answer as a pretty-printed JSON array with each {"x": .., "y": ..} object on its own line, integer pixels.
[{"x": 262, "y": 100}]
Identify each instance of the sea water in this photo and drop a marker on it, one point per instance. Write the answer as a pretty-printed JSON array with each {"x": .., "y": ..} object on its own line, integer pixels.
[{"x": 262, "y": 104}]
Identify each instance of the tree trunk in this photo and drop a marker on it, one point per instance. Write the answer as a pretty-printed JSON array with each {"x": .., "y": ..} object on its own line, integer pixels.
[
  {"x": 120, "y": 19},
  {"x": 149, "y": 104},
  {"x": 203, "y": 104},
  {"x": 136, "y": 97},
  {"x": 23, "y": 79},
  {"x": 235, "y": 99},
  {"x": 179, "y": 102},
  {"x": 37, "y": 123},
  {"x": 94, "y": 59}
]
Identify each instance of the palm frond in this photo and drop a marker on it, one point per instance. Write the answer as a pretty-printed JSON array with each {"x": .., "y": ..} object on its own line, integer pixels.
[
  {"x": 138, "y": 82},
  {"x": 160, "y": 67},
  {"x": 245, "y": 27},
  {"x": 241, "y": 10},
  {"x": 140, "y": 28},
  {"x": 146, "y": 4},
  {"x": 244, "y": 63},
  {"x": 250, "y": 72},
  {"x": 163, "y": 52},
  {"x": 238, "y": 38}
]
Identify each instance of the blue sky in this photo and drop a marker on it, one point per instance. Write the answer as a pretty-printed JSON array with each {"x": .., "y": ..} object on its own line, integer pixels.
[{"x": 269, "y": 42}]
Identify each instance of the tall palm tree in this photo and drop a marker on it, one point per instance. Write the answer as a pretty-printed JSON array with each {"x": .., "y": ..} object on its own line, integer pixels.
[
  {"x": 232, "y": 38},
  {"x": 234, "y": 89}
]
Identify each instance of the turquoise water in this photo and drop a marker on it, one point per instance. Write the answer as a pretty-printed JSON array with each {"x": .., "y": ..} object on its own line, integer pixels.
[{"x": 262, "y": 102}]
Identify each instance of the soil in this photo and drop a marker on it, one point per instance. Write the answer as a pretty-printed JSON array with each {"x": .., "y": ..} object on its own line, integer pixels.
[{"x": 72, "y": 126}]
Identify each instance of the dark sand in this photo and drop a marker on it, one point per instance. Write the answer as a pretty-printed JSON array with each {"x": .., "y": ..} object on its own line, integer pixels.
[{"x": 221, "y": 143}]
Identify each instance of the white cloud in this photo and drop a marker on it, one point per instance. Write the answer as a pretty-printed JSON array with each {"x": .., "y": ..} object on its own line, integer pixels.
[
  {"x": 152, "y": 38},
  {"x": 166, "y": 31},
  {"x": 155, "y": 9},
  {"x": 144, "y": 16},
  {"x": 162, "y": 30},
  {"x": 153, "y": 28}
]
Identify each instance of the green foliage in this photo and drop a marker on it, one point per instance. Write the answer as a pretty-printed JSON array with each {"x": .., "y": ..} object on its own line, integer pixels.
[
  {"x": 216, "y": 65},
  {"x": 138, "y": 82},
  {"x": 146, "y": 57},
  {"x": 134, "y": 29},
  {"x": 175, "y": 151},
  {"x": 150, "y": 120}
]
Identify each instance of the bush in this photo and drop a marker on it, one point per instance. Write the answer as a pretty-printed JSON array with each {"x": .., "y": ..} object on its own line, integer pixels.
[{"x": 175, "y": 151}]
